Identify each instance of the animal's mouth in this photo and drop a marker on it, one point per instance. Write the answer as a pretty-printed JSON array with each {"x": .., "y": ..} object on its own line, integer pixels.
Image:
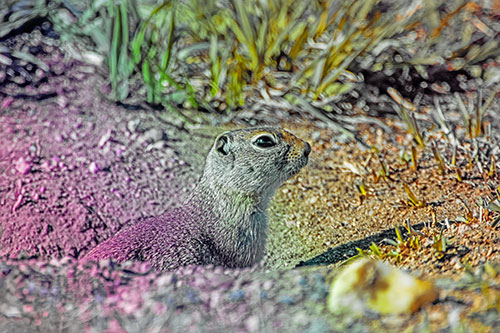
[
  {"x": 294, "y": 168},
  {"x": 297, "y": 161}
]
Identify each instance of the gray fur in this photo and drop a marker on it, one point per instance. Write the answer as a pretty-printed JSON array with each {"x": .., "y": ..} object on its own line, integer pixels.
[{"x": 224, "y": 221}]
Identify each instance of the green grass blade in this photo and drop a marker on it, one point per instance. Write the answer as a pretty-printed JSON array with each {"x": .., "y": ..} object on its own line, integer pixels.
[
  {"x": 165, "y": 61},
  {"x": 125, "y": 66},
  {"x": 137, "y": 43},
  {"x": 246, "y": 34},
  {"x": 114, "y": 51},
  {"x": 146, "y": 74}
]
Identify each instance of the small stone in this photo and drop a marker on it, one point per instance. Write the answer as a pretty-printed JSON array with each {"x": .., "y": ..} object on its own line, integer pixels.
[
  {"x": 93, "y": 58},
  {"x": 11, "y": 311},
  {"x": 267, "y": 284},
  {"x": 133, "y": 124},
  {"x": 62, "y": 101},
  {"x": 6, "y": 102},
  {"x": 119, "y": 151},
  {"x": 94, "y": 168},
  {"x": 252, "y": 323},
  {"x": 158, "y": 145},
  {"x": 39, "y": 73},
  {"x": 22, "y": 166},
  {"x": 152, "y": 135},
  {"x": 104, "y": 138}
]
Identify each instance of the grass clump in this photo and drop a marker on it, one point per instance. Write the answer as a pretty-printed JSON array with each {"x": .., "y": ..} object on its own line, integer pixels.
[
  {"x": 401, "y": 247},
  {"x": 213, "y": 52}
]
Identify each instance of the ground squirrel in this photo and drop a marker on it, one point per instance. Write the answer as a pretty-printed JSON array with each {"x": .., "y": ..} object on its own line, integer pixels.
[{"x": 224, "y": 220}]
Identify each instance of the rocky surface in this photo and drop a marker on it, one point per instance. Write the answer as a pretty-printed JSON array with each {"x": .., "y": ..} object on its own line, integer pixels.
[{"x": 75, "y": 168}]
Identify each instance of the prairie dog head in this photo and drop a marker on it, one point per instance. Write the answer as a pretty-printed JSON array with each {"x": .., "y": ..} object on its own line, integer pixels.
[{"x": 255, "y": 160}]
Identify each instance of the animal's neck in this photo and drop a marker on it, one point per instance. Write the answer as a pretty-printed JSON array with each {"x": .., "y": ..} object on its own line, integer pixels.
[{"x": 238, "y": 224}]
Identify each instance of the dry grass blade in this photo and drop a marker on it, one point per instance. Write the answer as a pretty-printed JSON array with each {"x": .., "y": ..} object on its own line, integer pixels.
[
  {"x": 375, "y": 250},
  {"x": 29, "y": 58},
  {"x": 440, "y": 244},
  {"x": 478, "y": 120},
  {"x": 396, "y": 96},
  {"x": 414, "y": 163},
  {"x": 493, "y": 168},
  {"x": 465, "y": 114},
  {"x": 414, "y": 201},
  {"x": 411, "y": 124},
  {"x": 446, "y": 19},
  {"x": 439, "y": 118},
  {"x": 439, "y": 159},
  {"x": 298, "y": 100},
  {"x": 361, "y": 187},
  {"x": 384, "y": 171},
  {"x": 495, "y": 222}
]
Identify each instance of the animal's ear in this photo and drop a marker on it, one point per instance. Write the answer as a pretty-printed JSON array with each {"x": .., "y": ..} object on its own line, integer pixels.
[{"x": 222, "y": 144}]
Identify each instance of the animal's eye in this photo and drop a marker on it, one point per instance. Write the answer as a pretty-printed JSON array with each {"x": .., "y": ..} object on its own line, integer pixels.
[{"x": 264, "y": 141}]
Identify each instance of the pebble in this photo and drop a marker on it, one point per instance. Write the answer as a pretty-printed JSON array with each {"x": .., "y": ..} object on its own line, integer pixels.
[
  {"x": 158, "y": 145},
  {"x": 6, "y": 102},
  {"x": 22, "y": 166},
  {"x": 152, "y": 135},
  {"x": 93, "y": 58},
  {"x": 133, "y": 124},
  {"x": 104, "y": 138},
  {"x": 94, "y": 168},
  {"x": 252, "y": 323},
  {"x": 46, "y": 166}
]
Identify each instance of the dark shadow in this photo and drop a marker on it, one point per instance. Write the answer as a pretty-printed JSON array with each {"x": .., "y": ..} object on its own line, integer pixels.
[{"x": 347, "y": 250}]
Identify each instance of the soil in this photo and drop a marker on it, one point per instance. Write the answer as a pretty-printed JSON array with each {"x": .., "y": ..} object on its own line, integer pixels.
[{"x": 75, "y": 168}]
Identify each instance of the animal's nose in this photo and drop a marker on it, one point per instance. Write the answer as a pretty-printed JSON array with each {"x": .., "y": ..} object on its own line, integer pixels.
[{"x": 307, "y": 149}]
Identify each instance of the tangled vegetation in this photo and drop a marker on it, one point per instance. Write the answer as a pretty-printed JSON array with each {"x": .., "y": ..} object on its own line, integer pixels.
[{"x": 217, "y": 55}]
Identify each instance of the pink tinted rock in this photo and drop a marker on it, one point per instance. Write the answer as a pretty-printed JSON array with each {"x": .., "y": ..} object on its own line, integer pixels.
[
  {"x": 19, "y": 185},
  {"x": 46, "y": 166},
  {"x": 17, "y": 203},
  {"x": 55, "y": 160},
  {"x": 119, "y": 151},
  {"x": 7, "y": 102},
  {"x": 22, "y": 166},
  {"x": 114, "y": 327},
  {"x": 94, "y": 168}
]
